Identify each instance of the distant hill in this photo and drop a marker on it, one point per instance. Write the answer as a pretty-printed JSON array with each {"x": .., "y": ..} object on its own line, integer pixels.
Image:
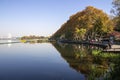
[{"x": 87, "y": 19}]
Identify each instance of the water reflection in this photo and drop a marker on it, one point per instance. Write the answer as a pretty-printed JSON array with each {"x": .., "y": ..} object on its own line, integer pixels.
[
  {"x": 42, "y": 62},
  {"x": 81, "y": 59},
  {"x": 9, "y": 43}
]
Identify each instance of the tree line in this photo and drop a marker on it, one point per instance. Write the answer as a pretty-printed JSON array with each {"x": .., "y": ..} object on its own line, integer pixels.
[{"x": 32, "y": 37}]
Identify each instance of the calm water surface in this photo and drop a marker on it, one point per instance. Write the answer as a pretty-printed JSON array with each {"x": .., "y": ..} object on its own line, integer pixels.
[{"x": 40, "y": 61}]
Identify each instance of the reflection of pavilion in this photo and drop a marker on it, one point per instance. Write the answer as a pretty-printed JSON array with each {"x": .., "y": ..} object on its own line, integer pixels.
[{"x": 9, "y": 40}]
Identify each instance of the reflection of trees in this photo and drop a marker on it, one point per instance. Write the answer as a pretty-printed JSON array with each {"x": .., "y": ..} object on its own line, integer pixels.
[
  {"x": 80, "y": 58},
  {"x": 114, "y": 73}
]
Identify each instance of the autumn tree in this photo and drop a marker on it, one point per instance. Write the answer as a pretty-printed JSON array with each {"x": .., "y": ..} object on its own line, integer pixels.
[
  {"x": 96, "y": 22},
  {"x": 93, "y": 20},
  {"x": 101, "y": 27}
]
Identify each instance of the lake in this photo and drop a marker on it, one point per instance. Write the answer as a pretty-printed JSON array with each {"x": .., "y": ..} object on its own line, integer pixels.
[{"x": 49, "y": 61}]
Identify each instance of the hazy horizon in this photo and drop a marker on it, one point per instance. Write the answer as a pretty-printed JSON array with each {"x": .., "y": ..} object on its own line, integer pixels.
[{"x": 41, "y": 17}]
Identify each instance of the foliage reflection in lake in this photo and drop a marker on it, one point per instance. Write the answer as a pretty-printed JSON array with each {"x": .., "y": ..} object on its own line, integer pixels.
[
  {"x": 41, "y": 61},
  {"x": 85, "y": 60}
]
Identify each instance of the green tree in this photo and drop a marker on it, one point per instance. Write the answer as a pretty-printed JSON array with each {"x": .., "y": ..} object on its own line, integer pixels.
[
  {"x": 116, "y": 7},
  {"x": 116, "y": 11}
]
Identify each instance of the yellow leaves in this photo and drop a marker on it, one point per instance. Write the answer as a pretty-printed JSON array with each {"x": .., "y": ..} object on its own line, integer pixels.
[
  {"x": 23, "y": 41},
  {"x": 81, "y": 31},
  {"x": 77, "y": 30},
  {"x": 91, "y": 21}
]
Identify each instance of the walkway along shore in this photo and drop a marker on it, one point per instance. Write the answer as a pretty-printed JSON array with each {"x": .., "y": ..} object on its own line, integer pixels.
[
  {"x": 85, "y": 42},
  {"x": 114, "y": 48}
]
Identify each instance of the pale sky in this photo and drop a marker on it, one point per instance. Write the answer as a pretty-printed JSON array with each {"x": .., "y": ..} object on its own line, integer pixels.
[{"x": 41, "y": 17}]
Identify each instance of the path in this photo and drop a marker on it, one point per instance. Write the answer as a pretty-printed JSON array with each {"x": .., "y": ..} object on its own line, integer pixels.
[
  {"x": 116, "y": 46},
  {"x": 115, "y": 49}
]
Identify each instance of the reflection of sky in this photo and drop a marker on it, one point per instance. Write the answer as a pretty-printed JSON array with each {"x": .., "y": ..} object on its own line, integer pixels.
[
  {"x": 34, "y": 62},
  {"x": 41, "y": 17}
]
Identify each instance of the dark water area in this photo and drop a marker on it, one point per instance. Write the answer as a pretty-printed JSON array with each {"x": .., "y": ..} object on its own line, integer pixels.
[{"x": 50, "y": 61}]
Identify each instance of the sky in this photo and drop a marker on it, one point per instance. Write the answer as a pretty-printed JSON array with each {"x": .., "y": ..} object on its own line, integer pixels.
[{"x": 41, "y": 17}]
